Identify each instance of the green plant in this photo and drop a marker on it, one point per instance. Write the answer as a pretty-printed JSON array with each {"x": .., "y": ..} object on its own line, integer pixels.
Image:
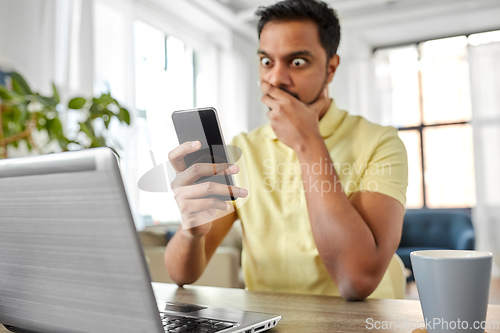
[{"x": 23, "y": 111}]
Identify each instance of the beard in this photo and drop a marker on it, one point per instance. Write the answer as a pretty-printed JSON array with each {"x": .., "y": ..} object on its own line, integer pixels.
[{"x": 325, "y": 83}]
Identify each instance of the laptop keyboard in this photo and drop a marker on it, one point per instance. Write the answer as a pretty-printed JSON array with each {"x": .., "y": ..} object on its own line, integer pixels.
[{"x": 179, "y": 324}]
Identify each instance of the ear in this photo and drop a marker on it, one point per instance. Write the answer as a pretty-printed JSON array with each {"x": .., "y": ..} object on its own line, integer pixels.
[{"x": 332, "y": 65}]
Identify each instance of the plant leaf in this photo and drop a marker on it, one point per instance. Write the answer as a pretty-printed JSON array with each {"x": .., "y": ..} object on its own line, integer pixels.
[
  {"x": 29, "y": 145},
  {"x": 63, "y": 142},
  {"x": 5, "y": 94},
  {"x": 46, "y": 101},
  {"x": 25, "y": 115},
  {"x": 77, "y": 103},
  {"x": 87, "y": 128},
  {"x": 106, "y": 98},
  {"x": 56, "y": 126},
  {"x": 124, "y": 116},
  {"x": 55, "y": 94},
  {"x": 19, "y": 84}
]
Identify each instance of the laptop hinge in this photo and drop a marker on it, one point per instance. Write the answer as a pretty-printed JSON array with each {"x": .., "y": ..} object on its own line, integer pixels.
[{"x": 17, "y": 330}]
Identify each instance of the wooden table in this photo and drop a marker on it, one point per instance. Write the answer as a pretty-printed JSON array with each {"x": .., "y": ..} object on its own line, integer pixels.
[{"x": 307, "y": 313}]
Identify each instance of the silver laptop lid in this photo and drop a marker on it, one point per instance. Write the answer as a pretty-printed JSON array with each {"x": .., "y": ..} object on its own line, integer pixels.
[{"x": 70, "y": 258}]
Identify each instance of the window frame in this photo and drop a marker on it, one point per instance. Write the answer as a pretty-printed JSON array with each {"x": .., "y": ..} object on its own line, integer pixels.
[{"x": 420, "y": 128}]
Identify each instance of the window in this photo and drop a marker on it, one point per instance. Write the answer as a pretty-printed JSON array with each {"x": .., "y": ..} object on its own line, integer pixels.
[
  {"x": 424, "y": 91},
  {"x": 165, "y": 82}
]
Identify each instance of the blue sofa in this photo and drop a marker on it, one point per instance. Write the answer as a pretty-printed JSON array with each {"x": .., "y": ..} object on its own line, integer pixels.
[{"x": 426, "y": 230}]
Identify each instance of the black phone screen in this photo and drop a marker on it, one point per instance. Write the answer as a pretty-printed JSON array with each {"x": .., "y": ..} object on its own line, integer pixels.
[{"x": 202, "y": 125}]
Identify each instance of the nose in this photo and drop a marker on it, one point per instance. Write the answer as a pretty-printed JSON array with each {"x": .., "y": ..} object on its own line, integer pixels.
[{"x": 279, "y": 76}]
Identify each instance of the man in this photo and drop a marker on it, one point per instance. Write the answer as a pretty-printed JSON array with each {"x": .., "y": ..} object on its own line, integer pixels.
[{"x": 327, "y": 189}]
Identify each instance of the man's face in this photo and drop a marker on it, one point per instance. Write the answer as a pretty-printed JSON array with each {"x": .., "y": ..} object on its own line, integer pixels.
[{"x": 293, "y": 59}]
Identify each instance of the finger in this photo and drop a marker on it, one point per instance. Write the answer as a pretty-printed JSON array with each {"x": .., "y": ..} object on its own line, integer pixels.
[
  {"x": 275, "y": 93},
  {"x": 176, "y": 156},
  {"x": 209, "y": 188},
  {"x": 272, "y": 115},
  {"x": 274, "y": 108},
  {"x": 198, "y": 170},
  {"x": 270, "y": 102},
  {"x": 194, "y": 206}
]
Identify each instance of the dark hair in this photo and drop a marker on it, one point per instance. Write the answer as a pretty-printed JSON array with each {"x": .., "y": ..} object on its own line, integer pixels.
[{"x": 291, "y": 10}]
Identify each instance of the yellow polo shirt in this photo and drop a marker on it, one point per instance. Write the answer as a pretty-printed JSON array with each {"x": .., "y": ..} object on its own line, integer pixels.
[{"x": 279, "y": 251}]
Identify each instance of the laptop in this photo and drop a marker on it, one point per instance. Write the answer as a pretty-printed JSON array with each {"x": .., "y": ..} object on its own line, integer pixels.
[{"x": 71, "y": 260}]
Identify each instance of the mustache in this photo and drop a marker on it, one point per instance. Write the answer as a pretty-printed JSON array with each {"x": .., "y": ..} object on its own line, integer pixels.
[{"x": 291, "y": 93}]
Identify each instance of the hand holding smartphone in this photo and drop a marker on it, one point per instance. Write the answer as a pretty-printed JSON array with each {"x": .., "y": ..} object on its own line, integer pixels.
[{"x": 202, "y": 125}]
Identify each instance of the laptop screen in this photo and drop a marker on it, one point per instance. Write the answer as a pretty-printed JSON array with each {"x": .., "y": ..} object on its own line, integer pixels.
[{"x": 70, "y": 259}]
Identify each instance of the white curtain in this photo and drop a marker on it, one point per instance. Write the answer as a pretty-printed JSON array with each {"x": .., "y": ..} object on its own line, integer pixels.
[
  {"x": 27, "y": 45},
  {"x": 48, "y": 41},
  {"x": 485, "y": 82}
]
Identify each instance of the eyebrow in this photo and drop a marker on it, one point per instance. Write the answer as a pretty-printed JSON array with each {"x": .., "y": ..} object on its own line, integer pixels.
[{"x": 291, "y": 55}]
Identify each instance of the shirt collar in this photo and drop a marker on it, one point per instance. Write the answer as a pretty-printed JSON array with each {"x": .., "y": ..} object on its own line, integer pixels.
[{"x": 327, "y": 125}]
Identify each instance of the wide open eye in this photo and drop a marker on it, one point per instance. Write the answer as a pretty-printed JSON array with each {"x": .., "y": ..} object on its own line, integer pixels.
[
  {"x": 265, "y": 62},
  {"x": 298, "y": 62}
]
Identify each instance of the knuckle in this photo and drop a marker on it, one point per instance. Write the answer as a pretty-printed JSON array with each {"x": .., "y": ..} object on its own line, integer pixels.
[
  {"x": 219, "y": 168},
  {"x": 183, "y": 208},
  {"x": 195, "y": 169},
  {"x": 190, "y": 220},
  {"x": 171, "y": 155},
  {"x": 174, "y": 185},
  {"x": 177, "y": 198},
  {"x": 177, "y": 194},
  {"x": 209, "y": 187}
]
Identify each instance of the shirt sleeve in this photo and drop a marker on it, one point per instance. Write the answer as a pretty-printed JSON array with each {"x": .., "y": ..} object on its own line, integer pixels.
[{"x": 387, "y": 170}]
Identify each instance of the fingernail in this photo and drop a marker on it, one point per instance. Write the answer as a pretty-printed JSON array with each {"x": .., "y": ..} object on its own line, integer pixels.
[
  {"x": 228, "y": 207},
  {"x": 234, "y": 168},
  {"x": 195, "y": 144},
  {"x": 243, "y": 192}
]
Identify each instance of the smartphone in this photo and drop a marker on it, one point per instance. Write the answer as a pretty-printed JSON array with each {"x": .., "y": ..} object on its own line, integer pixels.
[{"x": 203, "y": 125}]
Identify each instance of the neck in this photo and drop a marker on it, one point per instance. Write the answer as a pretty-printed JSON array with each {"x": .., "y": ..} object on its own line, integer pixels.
[{"x": 325, "y": 109}]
